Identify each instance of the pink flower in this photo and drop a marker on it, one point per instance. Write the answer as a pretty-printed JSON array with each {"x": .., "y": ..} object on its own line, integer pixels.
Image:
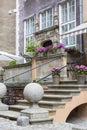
[
  {"x": 82, "y": 66},
  {"x": 77, "y": 67},
  {"x": 85, "y": 68}
]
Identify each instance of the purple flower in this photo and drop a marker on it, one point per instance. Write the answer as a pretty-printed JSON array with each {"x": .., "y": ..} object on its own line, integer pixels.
[
  {"x": 77, "y": 67},
  {"x": 82, "y": 66},
  {"x": 60, "y": 45},
  {"x": 55, "y": 70},
  {"x": 40, "y": 49},
  {"x": 85, "y": 68}
]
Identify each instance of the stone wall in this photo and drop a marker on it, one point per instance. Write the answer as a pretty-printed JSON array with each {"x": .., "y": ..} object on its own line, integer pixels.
[
  {"x": 7, "y": 26},
  {"x": 56, "y": 60},
  {"x": 10, "y": 71},
  {"x": 48, "y": 34}
]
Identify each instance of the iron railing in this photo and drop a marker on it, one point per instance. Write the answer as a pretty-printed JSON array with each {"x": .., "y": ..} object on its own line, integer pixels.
[{"x": 77, "y": 61}]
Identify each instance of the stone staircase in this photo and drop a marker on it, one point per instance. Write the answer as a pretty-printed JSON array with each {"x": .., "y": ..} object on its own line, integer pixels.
[{"x": 55, "y": 97}]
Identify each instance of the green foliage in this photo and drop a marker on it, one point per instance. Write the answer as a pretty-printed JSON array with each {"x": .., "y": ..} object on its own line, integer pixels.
[
  {"x": 30, "y": 46},
  {"x": 11, "y": 63}
]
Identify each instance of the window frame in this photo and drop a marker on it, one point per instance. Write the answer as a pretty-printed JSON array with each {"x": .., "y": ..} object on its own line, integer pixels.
[
  {"x": 41, "y": 21},
  {"x": 61, "y": 24},
  {"x": 29, "y": 35}
]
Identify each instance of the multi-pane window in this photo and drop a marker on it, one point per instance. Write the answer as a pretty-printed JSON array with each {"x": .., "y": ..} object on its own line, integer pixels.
[
  {"x": 29, "y": 29},
  {"x": 46, "y": 19},
  {"x": 67, "y": 21}
]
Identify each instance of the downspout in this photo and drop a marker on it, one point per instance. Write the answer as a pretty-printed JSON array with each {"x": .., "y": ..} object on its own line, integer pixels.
[{"x": 81, "y": 21}]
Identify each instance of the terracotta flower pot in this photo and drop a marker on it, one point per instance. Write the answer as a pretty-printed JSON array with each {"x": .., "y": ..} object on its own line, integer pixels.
[
  {"x": 56, "y": 79},
  {"x": 81, "y": 78}
]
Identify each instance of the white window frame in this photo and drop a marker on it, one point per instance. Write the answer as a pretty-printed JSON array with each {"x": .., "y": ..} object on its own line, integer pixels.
[
  {"x": 25, "y": 31},
  {"x": 40, "y": 16},
  {"x": 66, "y": 23}
]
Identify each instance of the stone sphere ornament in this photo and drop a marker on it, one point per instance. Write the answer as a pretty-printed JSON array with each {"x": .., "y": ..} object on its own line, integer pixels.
[
  {"x": 3, "y": 90},
  {"x": 33, "y": 92}
]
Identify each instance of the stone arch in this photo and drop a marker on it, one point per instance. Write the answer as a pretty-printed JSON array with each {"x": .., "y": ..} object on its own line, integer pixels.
[
  {"x": 78, "y": 112},
  {"x": 63, "y": 113},
  {"x": 47, "y": 43}
]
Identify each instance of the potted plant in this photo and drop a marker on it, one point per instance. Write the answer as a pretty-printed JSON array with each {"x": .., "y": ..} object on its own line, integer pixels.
[
  {"x": 55, "y": 74},
  {"x": 30, "y": 48},
  {"x": 81, "y": 71},
  {"x": 60, "y": 47},
  {"x": 72, "y": 50},
  {"x": 44, "y": 51},
  {"x": 39, "y": 51}
]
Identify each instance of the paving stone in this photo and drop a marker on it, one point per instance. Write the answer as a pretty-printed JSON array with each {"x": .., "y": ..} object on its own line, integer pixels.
[{"x": 6, "y": 124}]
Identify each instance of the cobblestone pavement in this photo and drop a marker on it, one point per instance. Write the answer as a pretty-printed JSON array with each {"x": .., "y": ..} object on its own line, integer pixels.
[
  {"x": 6, "y": 124},
  {"x": 79, "y": 121}
]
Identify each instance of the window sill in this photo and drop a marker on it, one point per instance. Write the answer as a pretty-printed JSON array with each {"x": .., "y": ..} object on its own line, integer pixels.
[{"x": 46, "y": 29}]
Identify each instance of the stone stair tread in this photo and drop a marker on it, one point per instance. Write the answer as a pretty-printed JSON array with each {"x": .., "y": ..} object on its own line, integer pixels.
[
  {"x": 9, "y": 114},
  {"x": 22, "y": 101},
  {"x": 51, "y": 102},
  {"x": 39, "y": 120},
  {"x": 57, "y": 96},
  {"x": 69, "y": 85},
  {"x": 18, "y": 106},
  {"x": 62, "y": 90}
]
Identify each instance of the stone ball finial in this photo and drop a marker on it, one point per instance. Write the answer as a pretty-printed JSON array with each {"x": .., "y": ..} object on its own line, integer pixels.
[
  {"x": 33, "y": 92},
  {"x": 3, "y": 90}
]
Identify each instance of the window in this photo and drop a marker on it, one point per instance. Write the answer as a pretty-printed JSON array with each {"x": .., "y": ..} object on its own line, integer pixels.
[
  {"x": 67, "y": 21},
  {"x": 46, "y": 19},
  {"x": 47, "y": 43},
  {"x": 29, "y": 29}
]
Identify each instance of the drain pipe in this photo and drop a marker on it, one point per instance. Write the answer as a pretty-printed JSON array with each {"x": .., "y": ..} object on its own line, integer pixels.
[{"x": 81, "y": 21}]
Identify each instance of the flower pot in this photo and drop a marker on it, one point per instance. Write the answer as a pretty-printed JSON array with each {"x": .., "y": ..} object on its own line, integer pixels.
[
  {"x": 60, "y": 50},
  {"x": 56, "y": 79},
  {"x": 30, "y": 54},
  {"x": 40, "y": 54},
  {"x": 81, "y": 78}
]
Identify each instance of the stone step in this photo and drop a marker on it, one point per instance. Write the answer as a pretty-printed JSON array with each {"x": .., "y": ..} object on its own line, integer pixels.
[
  {"x": 12, "y": 115},
  {"x": 73, "y": 87},
  {"x": 68, "y": 82},
  {"x": 52, "y": 97},
  {"x": 41, "y": 121},
  {"x": 62, "y": 91},
  {"x": 22, "y": 102},
  {"x": 17, "y": 107},
  {"x": 52, "y": 105},
  {"x": 9, "y": 114}
]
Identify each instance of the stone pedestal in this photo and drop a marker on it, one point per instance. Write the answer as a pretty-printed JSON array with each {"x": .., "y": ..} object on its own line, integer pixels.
[
  {"x": 37, "y": 116},
  {"x": 33, "y": 92},
  {"x": 63, "y": 74},
  {"x": 3, "y": 90}
]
